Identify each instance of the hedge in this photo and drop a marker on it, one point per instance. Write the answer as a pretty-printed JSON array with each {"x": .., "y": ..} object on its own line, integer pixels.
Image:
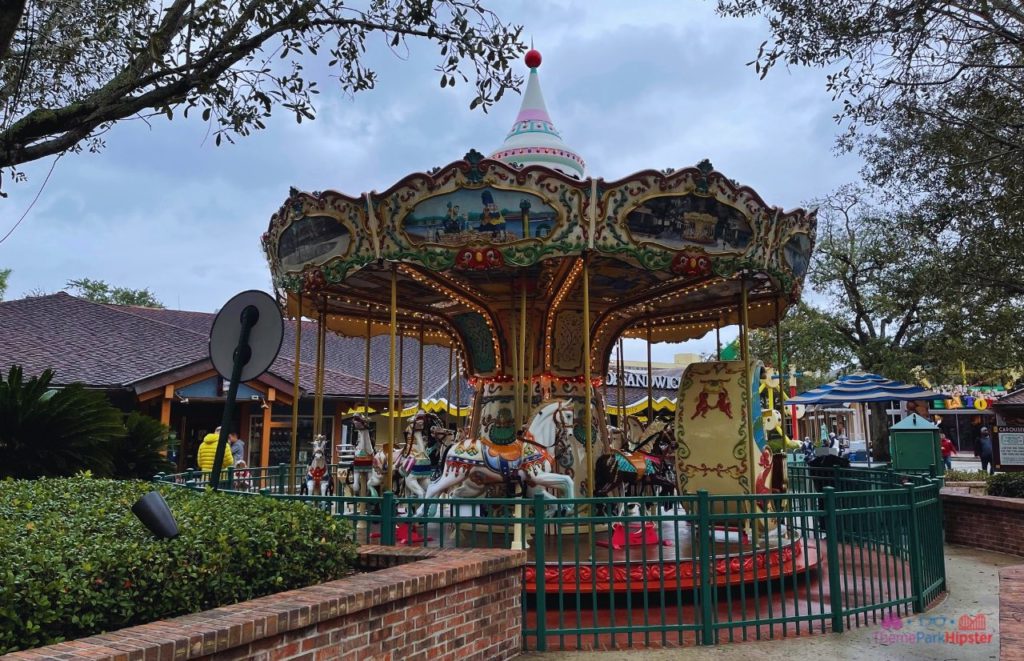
[
  {"x": 1009, "y": 485},
  {"x": 77, "y": 562}
]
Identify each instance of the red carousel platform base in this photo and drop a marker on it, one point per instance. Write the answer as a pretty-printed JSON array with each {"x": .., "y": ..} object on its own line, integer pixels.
[
  {"x": 670, "y": 573},
  {"x": 406, "y": 534}
]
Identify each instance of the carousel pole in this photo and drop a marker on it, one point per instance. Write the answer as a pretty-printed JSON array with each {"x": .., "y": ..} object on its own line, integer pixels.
[
  {"x": 419, "y": 389},
  {"x": 389, "y": 446},
  {"x": 620, "y": 384},
  {"x": 366, "y": 370},
  {"x": 295, "y": 398},
  {"x": 448, "y": 387},
  {"x": 745, "y": 354},
  {"x": 514, "y": 350},
  {"x": 778, "y": 371},
  {"x": 458, "y": 392},
  {"x": 650, "y": 378},
  {"x": 718, "y": 339},
  {"x": 588, "y": 414},
  {"x": 528, "y": 397},
  {"x": 523, "y": 408},
  {"x": 321, "y": 360}
]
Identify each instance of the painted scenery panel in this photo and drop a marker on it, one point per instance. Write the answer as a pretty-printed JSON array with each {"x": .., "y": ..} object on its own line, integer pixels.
[
  {"x": 312, "y": 238},
  {"x": 798, "y": 253},
  {"x": 485, "y": 215},
  {"x": 680, "y": 221}
]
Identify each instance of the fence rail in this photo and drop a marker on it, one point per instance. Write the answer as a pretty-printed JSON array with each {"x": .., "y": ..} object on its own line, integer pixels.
[{"x": 842, "y": 548}]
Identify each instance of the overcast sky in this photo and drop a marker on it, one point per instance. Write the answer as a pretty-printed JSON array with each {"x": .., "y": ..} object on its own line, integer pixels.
[{"x": 629, "y": 85}]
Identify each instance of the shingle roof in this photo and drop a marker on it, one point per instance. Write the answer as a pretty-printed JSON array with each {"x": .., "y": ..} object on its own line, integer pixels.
[
  {"x": 113, "y": 346},
  {"x": 90, "y": 343},
  {"x": 1015, "y": 398}
]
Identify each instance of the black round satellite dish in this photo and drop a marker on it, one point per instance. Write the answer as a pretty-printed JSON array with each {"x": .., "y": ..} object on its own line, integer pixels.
[{"x": 264, "y": 338}]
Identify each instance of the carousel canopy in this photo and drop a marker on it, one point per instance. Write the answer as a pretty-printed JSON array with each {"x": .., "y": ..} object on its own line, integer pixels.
[
  {"x": 473, "y": 244},
  {"x": 863, "y": 387}
]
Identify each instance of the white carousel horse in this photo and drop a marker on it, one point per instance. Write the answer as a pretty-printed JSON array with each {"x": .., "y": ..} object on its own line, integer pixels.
[
  {"x": 362, "y": 461},
  {"x": 410, "y": 463},
  {"x": 317, "y": 481},
  {"x": 474, "y": 463}
]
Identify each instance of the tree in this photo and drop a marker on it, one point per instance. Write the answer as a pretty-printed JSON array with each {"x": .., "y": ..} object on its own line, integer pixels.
[
  {"x": 70, "y": 69},
  {"x": 4, "y": 274},
  {"x": 891, "y": 304},
  {"x": 933, "y": 97},
  {"x": 48, "y": 433},
  {"x": 99, "y": 291}
]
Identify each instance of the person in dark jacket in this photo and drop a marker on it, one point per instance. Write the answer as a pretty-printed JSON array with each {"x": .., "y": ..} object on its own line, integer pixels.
[{"x": 984, "y": 451}]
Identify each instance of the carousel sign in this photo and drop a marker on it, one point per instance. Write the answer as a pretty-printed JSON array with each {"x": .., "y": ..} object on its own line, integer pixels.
[{"x": 639, "y": 380}]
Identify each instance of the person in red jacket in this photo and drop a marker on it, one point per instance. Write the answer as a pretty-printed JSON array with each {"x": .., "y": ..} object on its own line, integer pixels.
[{"x": 948, "y": 451}]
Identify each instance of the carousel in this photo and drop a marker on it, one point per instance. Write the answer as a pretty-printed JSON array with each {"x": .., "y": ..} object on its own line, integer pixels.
[{"x": 532, "y": 272}]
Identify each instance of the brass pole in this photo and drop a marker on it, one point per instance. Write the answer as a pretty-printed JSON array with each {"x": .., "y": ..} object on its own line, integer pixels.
[
  {"x": 778, "y": 348},
  {"x": 458, "y": 392},
  {"x": 366, "y": 372},
  {"x": 523, "y": 408},
  {"x": 620, "y": 368},
  {"x": 389, "y": 447},
  {"x": 718, "y": 339},
  {"x": 295, "y": 396},
  {"x": 448, "y": 386},
  {"x": 745, "y": 355},
  {"x": 650, "y": 377},
  {"x": 514, "y": 351},
  {"x": 588, "y": 415},
  {"x": 419, "y": 390},
  {"x": 529, "y": 379},
  {"x": 318, "y": 402}
]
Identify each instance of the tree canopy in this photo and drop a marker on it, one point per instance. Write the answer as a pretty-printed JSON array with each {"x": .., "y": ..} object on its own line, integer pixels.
[
  {"x": 70, "y": 69},
  {"x": 99, "y": 291},
  {"x": 4, "y": 274}
]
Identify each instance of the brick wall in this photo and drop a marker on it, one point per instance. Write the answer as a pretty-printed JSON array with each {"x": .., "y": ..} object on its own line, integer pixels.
[
  {"x": 1011, "y": 613},
  {"x": 984, "y": 522},
  {"x": 421, "y": 604}
]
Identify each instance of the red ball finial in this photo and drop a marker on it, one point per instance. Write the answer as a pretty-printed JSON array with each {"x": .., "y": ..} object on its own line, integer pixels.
[{"x": 533, "y": 58}]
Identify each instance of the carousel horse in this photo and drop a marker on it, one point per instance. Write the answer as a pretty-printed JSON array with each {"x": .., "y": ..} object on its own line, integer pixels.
[
  {"x": 317, "y": 482},
  {"x": 411, "y": 464},
  {"x": 362, "y": 461},
  {"x": 475, "y": 463},
  {"x": 634, "y": 472},
  {"x": 442, "y": 441}
]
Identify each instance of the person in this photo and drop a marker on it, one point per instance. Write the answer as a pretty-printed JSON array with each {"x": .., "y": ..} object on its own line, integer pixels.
[
  {"x": 808, "y": 449},
  {"x": 984, "y": 451},
  {"x": 948, "y": 450},
  {"x": 242, "y": 476},
  {"x": 237, "y": 446},
  {"x": 208, "y": 453}
]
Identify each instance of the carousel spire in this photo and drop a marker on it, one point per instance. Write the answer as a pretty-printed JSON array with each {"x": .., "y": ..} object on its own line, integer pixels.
[{"x": 533, "y": 139}]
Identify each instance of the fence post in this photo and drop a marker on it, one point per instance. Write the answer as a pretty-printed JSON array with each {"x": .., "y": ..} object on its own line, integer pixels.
[
  {"x": 282, "y": 477},
  {"x": 231, "y": 478},
  {"x": 915, "y": 551},
  {"x": 540, "y": 593},
  {"x": 387, "y": 519},
  {"x": 705, "y": 535},
  {"x": 835, "y": 591}
]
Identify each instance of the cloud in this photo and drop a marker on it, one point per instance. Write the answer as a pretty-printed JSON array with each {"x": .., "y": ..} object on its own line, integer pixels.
[{"x": 654, "y": 85}]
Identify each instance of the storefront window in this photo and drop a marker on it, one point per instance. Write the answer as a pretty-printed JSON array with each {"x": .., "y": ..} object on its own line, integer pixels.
[{"x": 281, "y": 438}]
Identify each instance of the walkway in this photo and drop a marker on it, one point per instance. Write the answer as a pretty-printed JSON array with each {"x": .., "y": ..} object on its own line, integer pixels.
[{"x": 973, "y": 578}]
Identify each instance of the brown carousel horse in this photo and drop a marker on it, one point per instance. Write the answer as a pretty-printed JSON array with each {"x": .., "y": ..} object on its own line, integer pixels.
[{"x": 634, "y": 472}]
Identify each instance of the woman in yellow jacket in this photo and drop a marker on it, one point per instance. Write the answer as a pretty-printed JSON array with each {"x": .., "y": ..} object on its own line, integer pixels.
[{"x": 208, "y": 451}]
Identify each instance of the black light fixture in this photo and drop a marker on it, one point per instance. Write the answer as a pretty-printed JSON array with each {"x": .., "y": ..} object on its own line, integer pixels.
[{"x": 154, "y": 513}]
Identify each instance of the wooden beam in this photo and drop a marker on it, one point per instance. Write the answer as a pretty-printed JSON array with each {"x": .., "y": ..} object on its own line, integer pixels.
[{"x": 265, "y": 441}]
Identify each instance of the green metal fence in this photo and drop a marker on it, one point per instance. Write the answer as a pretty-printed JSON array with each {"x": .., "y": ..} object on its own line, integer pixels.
[{"x": 842, "y": 548}]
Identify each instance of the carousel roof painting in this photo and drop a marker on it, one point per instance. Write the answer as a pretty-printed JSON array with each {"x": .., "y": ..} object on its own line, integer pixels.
[{"x": 472, "y": 245}]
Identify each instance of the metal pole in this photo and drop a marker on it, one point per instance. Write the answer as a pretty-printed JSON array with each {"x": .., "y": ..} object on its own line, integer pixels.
[
  {"x": 419, "y": 390},
  {"x": 514, "y": 350},
  {"x": 620, "y": 367},
  {"x": 588, "y": 415},
  {"x": 448, "y": 387},
  {"x": 366, "y": 366},
  {"x": 778, "y": 371},
  {"x": 523, "y": 411},
  {"x": 718, "y": 339},
  {"x": 745, "y": 353},
  {"x": 650, "y": 378},
  {"x": 243, "y": 352},
  {"x": 389, "y": 446},
  {"x": 295, "y": 394},
  {"x": 458, "y": 392},
  {"x": 318, "y": 411}
]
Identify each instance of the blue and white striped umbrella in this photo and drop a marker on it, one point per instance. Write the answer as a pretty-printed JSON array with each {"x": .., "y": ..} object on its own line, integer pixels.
[{"x": 862, "y": 387}]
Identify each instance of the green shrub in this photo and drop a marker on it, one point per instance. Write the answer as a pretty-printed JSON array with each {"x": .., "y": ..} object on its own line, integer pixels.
[
  {"x": 77, "y": 562},
  {"x": 966, "y": 476},
  {"x": 1009, "y": 485},
  {"x": 138, "y": 453}
]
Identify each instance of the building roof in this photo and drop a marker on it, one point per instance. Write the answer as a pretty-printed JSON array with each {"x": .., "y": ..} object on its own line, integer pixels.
[
  {"x": 1015, "y": 398},
  {"x": 115, "y": 346}
]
